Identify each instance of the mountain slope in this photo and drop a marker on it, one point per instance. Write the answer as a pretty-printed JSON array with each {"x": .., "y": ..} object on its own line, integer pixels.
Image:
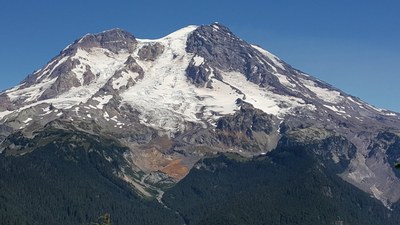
[
  {"x": 285, "y": 187},
  {"x": 66, "y": 177},
  {"x": 191, "y": 94}
]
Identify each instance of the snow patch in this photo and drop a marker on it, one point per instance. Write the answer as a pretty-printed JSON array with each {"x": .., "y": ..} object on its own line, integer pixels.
[
  {"x": 30, "y": 93},
  {"x": 5, "y": 113},
  {"x": 263, "y": 98},
  {"x": 215, "y": 26},
  {"x": 106, "y": 116},
  {"x": 324, "y": 94},
  {"x": 46, "y": 69},
  {"x": 27, "y": 120},
  {"x": 390, "y": 114},
  {"x": 334, "y": 108},
  {"x": 179, "y": 34},
  {"x": 272, "y": 57},
  {"x": 122, "y": 81},
  {"x": 284, "y": 81},
  {"x": 198, "y": 60},
  {"x": 102, "y": 100}
]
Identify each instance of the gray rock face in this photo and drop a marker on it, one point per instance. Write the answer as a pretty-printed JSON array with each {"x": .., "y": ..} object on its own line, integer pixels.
[
  {"x": 88, "y": 76},
  {"x": 66, "y": 79},
  {"x": 150, "y": 52},
  {"x": 130, "y": 65},
  {"x": 114, "y": 40},
  {"x": 224, "y": 51},
  {"x": 198, "y": 75},
  {"x": 393, "y": 147},
  {"x": 62, "y": 72},
  {"x": 134, "y": 67},
  {"x": 249, "y": 128},
  {"x": 5, "y": 103}
]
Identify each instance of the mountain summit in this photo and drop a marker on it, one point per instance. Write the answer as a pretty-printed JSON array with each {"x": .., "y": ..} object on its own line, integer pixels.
[{"x": 198, "y": 91}]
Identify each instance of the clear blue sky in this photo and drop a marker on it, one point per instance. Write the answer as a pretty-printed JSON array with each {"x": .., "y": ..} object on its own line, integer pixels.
[{"x": 353, "y": 45}]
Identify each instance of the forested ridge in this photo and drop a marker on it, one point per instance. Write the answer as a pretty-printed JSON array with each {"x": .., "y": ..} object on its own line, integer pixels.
[{"x": 70, "y": 181}]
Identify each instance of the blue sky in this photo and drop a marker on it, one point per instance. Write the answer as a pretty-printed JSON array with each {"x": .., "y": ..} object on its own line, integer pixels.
[{"x": 353, "y": 45}]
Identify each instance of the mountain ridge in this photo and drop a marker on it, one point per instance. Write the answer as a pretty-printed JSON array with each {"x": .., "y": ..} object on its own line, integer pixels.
[{"x": 195, "y": 92}]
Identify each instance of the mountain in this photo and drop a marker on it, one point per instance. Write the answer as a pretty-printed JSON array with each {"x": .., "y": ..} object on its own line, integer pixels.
[{"x": 136, "y": 116}]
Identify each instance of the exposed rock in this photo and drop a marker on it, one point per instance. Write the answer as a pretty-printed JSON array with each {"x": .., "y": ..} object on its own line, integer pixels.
[
  {"x": 114, "y": 40},
  {"x": 5, "y": 103},
  {"x": 223, "y": 50},
  {"x": 249, "y": 128},
  {"x": 134, "y": 67},
  {"x": 88, "y": 76},
  {"x": 62, "y": 84},
  {"x": 150, "y": 52},
  {"x": 199, "y": 74},
  {"x": 131, "y": 73}
]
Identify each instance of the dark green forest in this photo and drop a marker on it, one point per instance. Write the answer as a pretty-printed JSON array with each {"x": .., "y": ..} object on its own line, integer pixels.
[
  {"x": 67, "y": 180},
  {"x": 72, "y": 184},
  {"x": 288, "y": 186}
]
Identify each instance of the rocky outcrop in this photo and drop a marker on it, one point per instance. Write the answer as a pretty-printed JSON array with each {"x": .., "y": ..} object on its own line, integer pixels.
[
  {"x": 249, "y": 129},
  {"x": 223, "y": 50},
  {"x": 114, "y": 40},
  {"x": 134, "y": 67},
  {"x": 88, "y": 76},
  {"x": 65, "y": 82},
  {"x": 199, "y": 75},
  {"x": 5, "y": 103},
  {"x": 150, "y": 52},
  {"x": 125, "y": 77}
]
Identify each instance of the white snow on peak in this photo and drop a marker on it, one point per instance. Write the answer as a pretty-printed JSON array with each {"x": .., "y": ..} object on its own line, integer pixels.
[
  {"x": 83, "y": 38},
  {"x": 272, "y": 57},
  {"x": 182, "y": 33},
  {"x": 30, "y": 93},
  {"x": 47, "y": 71},
  {"x": 123, "y": 80},
  {"x": 215, "y": 26},
  {"x": 283, "y": 79},
  {"x": 102, "y": 63},
  {"x": 179, "y": 34},
  {"x": 111, "y": 30},
  {"x": 166, "y": 99},
  {"x": 263, "y": 98},
  {"x": 324, "y": 94}
]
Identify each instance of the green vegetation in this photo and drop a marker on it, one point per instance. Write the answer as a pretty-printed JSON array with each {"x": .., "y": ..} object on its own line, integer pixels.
[
  {"x": 65, "y": 178},
  {"x": 286, "y": 187},
  {"x": 63, "y": 183}
]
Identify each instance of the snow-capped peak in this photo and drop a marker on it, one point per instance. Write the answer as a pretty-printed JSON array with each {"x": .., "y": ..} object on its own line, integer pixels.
[
  {"x": 179, "y": 74},
  {"x": 190, "y": 80}
]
